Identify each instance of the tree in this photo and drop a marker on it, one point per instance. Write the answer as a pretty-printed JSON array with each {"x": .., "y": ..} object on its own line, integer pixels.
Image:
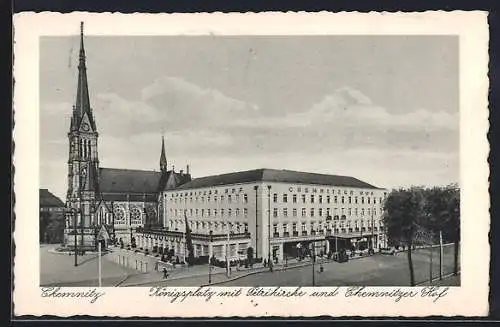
[
  {"x": 404, "y": 217},
  {"x": 250, "y": 256},
  {"x": 443, "y": 210}
]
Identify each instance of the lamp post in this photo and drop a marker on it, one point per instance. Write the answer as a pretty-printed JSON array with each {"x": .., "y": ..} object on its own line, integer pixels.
[
  {"x": 256, "y": 188},
  {"x": 210, "y": 260},
  {"x": 313, "y": 253},
  {"x": 269, "y": 228},
  {"x": 372, "y": 241}
]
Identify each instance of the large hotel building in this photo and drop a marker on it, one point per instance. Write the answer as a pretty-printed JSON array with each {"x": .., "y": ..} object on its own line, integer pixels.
[
  {"x": 275, "y": 212},
  {"x": 270, "y": 210}
]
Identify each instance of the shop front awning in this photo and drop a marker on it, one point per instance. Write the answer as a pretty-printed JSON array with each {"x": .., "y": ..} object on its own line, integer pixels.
[{"x": 349, "y": 236}]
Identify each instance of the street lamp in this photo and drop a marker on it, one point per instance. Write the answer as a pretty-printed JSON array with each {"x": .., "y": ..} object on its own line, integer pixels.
[
  {"x": 210, "y": 260},
  {"x": 269, "y": 228},
  {"x": 256, "y": 188}
]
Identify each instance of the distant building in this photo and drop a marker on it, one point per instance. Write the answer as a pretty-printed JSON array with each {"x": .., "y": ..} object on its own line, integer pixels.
[
  {"x": 48, "y": 202},
  {"x": 51, "y": 218}
]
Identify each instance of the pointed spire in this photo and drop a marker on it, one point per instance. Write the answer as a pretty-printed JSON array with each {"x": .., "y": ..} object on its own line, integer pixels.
[
  {"x": 82, "y": 105},
  {"x": 163, "y": 157}
]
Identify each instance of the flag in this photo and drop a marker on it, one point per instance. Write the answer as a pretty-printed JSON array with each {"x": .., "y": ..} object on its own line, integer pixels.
[{"x": 189, "y": 241}]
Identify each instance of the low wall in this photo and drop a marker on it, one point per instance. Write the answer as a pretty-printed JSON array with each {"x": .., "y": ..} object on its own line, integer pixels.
[{"x": 137, "y": 261}]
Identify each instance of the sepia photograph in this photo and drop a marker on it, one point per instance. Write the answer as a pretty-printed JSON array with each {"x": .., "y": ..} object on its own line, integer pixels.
[{"x": 249, "y": 160}]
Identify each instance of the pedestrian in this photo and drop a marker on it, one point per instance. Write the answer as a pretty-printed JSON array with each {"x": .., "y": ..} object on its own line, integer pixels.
[{"x": 165, "y": 273}]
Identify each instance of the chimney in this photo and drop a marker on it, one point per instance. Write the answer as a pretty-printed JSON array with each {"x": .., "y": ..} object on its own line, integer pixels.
[
  {"x": 187, "y": 169},
  {"x": 181, "y": 171},
  {"x": 173, "y": 168}
]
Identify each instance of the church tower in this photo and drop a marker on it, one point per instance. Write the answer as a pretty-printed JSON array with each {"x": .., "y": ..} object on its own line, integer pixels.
[
  {"x": 163, "y": 157},
  {"x": 83, "y": 163}
]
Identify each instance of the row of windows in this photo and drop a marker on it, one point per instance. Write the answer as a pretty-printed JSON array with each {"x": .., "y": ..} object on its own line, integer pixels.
[
  {"x": 312, "y": 198},
  {"x": 209, "y": 212},
  {"x": 212, "y": 225},
  {"x": 322, "y": 212},
  {"x": 319, "y": 226},
  {"x": 285, "y": 212},
  {"x": 205, "y": 192},
  {"x": 236, "y": 198}
]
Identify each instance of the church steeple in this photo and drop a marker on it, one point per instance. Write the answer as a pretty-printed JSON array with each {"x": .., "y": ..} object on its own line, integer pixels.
[
  {"x": 82, "y": 104},
  {"x": 163, "y": 157}
]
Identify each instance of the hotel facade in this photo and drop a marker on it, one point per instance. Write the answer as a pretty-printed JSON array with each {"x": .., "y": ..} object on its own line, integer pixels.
[{"x": 275, "y": 212}]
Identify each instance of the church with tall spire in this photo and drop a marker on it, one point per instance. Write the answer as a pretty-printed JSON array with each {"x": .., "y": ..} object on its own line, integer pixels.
[{"x": 118, "y": 200}]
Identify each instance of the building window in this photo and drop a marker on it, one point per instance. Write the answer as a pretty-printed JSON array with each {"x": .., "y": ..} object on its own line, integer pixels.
[
  {"x": 355, "y": 211},
  {"x": 275, "y": 212},
  {"x": 312, "y": 198},
  {"x": 237, "y": 211},
  {"x": 285, "y": 198},
  {"x": 222, "y": 198},
  {"x": 275, "y": 228},
  {"x": 320, "y": 212},
  {"x": 221, "y": 212},
  {"x": 335, "y": 199},
  {"x": 285, "y": 228},
  {"x": 294, "y": 227},
  {"x": 312, "y": 212},
  {"x": 237, "y": 198},
  {"x": 285, "y": 212},
  {"x": 229, "y": 198},
  {"x": 327, "y": 212},
  {"x": 362, "y": 211},
  {"x": 246, "y": 228},
  {"x": 327, "y": 199},
  {"x": 208, "y": 212},
  {"x": 229, "y": 212},
  {"x": 320, "y": 199},
  {"x": 245, "y": 212},
  {"x": 362, "y": 200},
  {"x": 350, "y": 200},
  {"x": 342, "y": 199},
  {"x": 303, "y": 198},
  {"x": 303, "y": 227},
  {"x": 245, "y": 198},
  {"x": 275, "y": 198},
  {"x": 294, "y": 212},
  {"x": 349, "y": 211},
  {"x": 294, "y": 198},
  {"x": 303, "y": 212},
  {"x": 368, "y": 200}
]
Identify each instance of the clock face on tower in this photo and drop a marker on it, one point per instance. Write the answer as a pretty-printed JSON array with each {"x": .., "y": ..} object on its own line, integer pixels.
[{"x": 85, "y": 127}]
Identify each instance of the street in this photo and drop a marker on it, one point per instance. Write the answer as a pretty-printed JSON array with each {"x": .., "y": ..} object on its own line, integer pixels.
[
  {"x": 57, "y": 269},
  {"x": 377, "y": 270}
]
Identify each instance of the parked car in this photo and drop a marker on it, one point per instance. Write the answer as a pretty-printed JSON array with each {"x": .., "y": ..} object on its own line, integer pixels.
[{"x": 389, "y": 250}]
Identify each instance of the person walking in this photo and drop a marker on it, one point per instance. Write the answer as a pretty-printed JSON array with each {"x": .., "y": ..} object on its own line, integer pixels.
[{"x": 165, "y": 273}]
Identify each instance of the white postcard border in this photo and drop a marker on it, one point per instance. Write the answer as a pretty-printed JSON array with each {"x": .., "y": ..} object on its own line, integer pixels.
[{"x": 471, "y": 299}]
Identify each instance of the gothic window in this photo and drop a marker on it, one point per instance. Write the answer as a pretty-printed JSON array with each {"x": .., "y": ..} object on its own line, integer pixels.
[
  {"x": 135, "y": 216},
  {"x": 119, "y": 213},
  {"x": 80, "y": 148}
]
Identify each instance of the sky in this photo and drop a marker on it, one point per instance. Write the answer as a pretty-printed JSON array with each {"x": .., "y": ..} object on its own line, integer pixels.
[{"x": 383, "y": 109}]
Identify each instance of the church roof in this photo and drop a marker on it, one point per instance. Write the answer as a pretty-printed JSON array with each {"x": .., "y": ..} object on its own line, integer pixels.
[
  {"x": 117, "y": 183},
  {"x": 47, "y": 199},
  {"x": 113, "y": 180},
  {"x": 274, "y": 175}
]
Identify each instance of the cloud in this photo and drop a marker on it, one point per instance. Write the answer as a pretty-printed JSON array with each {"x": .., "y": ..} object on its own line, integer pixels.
[{"x": 343, "y": 133}]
